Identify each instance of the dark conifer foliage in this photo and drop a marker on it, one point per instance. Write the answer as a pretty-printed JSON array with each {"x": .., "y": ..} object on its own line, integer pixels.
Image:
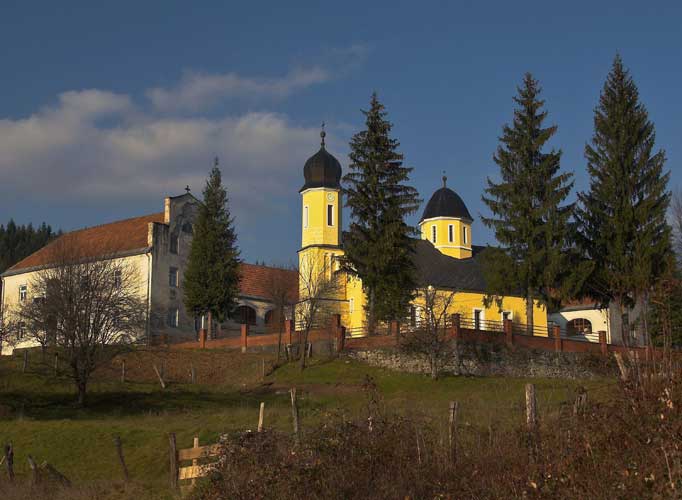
[
  {"x": 622, "y": 218},
  {"x": 378, "y": 246},
  {"x": 530, "y": 219},
  {"x": 211, "y": 283},
  {"x": 18, "y": 242}
]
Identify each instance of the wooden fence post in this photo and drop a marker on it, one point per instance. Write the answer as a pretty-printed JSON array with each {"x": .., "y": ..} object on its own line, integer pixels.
[
  {"x": 35, "y": 474},
  {"x": 121, "y": 459},
  {"x": 261, "y": 415},
  {"x": 456, "y": 325},
  {"x": 624, "y": 372},
  {"x": 245, "y": 336},
  {"x": 602, "y": 342},
  {"x": 9, "y": 461},
  {"x": 195, "y": 461},
  {"x": 294, "y": 413},
  {"x": 556, "y": 333},
  {"x": 123, "y": 371},
  {"x": 532, "y": 420},
  {"x": 163, "y": 384},
  {"x": 452, "y": 428},
  {"x": 174, "y": 469},
  {"x": 531, "y": 407},
  {"x": 508, "y": 332}
]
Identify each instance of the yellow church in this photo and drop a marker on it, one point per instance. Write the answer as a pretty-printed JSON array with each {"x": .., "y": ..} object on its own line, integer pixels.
[{"x": 445, "y": 258}]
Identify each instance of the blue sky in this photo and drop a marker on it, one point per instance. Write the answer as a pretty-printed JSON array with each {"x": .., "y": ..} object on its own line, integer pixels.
[{"x": 108, "y": 108}]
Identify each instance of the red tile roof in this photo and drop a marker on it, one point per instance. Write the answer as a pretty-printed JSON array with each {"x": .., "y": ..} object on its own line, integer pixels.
[
  {"x": 121, "y": 236},
  {"x": 257, "y": 281}
]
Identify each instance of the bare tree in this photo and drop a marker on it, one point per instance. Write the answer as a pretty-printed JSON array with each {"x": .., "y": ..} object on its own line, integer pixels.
[
  {"x": 319, "y": 289},
  {"x": 429, "y": 337},
  {"x": 90, "y": 310},
  {"x": 282, "y": 293}
]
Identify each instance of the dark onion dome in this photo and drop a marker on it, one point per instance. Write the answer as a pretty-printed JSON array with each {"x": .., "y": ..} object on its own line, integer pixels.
[
  {"x": 446, "y": 203},
  {"x": 322, "y": 170}
]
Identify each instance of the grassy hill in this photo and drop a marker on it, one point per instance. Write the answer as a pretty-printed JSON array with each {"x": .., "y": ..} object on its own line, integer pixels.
[{"x": 38, "y": 414}]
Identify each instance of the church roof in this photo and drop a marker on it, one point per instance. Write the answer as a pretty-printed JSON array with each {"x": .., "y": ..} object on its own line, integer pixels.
[
  {"x": 322, "y": 170},
  {"x": 446, "y": 203},
  {"x": 442, "y": 271},
  {"x": 107, "y": 239}
]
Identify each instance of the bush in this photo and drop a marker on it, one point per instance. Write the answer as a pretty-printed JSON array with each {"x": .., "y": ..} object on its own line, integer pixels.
[{"x": 628, "y": 448}]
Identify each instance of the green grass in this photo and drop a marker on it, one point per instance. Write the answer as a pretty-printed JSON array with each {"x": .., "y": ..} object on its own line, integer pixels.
[{"x": 37, "y": 411}]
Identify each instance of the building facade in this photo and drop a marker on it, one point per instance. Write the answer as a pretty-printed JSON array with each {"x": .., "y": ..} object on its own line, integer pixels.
[
  {"x": 445, "y": 257},
  {"x": 156, "y": 249}
]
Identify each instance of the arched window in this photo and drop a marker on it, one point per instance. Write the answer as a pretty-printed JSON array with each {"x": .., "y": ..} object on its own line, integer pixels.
[
  {"x": 579, "y": 326},
  {"x": 269, "y": 317},
  {"x": 245, "y": 315}
]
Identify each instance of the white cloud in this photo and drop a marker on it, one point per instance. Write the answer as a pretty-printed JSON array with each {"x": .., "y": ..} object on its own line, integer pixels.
[
  {"x": 196, "y": 91},
  {"x": 96, "y": 146},
  {"x": 102, "y": 148}
]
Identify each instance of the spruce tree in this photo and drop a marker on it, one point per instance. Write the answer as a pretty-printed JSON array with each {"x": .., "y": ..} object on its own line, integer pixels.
[
  {"x": 378, "y": 246},
  {"x": 211, "y": 283},
  {"x": 622, "y": 218},
  {"x": 529, "y": 219}
]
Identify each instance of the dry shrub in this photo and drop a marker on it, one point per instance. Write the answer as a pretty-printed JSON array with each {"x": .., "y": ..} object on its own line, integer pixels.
[{"x": 628, "y": 448}]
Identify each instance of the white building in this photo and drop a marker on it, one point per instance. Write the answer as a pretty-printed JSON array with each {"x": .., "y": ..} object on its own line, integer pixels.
[{"x": 157, "y": 247}]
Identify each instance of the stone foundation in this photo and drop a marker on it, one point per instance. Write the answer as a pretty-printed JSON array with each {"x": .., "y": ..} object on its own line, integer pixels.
[{"x": 483, "y": 359}]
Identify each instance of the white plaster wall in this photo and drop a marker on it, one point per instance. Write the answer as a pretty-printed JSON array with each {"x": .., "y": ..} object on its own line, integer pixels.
[
  {"x": 10, "y": 292},
  {"x": 598, "y": 317}
]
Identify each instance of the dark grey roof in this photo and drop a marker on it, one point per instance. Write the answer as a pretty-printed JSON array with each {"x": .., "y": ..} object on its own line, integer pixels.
[
  {"x": 446, "y": 203},
  {"x": 322, "y": 170},
  {"x": 443, "y": 271}
]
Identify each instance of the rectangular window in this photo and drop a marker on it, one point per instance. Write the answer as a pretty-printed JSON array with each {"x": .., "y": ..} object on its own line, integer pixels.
[
  {"x": 506, "y": 315},
  {"x": 174, "y": 243},
  {"x": 451, "y": 233},
  {"x": 21, "y": 331},
  {"x": 173, "y": 277},
  {"x": 22, "y": 293},
  {"x": 464, "y": 235},
  {"x": 351, "y": 305},
  {"x": 305, "y": 216},
  {"x": 433, "y": 234},
  {"x": 330, "y": 215},
  {"x": 478, "y": 318},
  {"x": 173, "y": 316}
]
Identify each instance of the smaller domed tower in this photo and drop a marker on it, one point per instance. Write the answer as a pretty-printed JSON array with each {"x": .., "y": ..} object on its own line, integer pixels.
[{"x": 446, "y": 223}]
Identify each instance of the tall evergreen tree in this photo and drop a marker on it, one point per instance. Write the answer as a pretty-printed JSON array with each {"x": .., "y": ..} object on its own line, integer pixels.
[
  {"x": 378, "y": 246},
  {"x": 622, "y": 218},
  {"x": 18, "y": 242},
  {"x": 212, "y": 275},
  {"x": 529, "y": 219}
]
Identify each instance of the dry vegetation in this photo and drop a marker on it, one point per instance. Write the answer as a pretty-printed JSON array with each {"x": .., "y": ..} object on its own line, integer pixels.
[{"x": 630, "y": 447}]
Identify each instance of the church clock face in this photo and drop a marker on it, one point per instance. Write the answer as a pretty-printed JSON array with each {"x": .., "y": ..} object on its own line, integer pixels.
[{"x": 330, "y": 196}]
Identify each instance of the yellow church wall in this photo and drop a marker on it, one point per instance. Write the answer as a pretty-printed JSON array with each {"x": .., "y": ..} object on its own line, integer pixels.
[
  {"x": 456, "y": 248},
  {"x": 315, "y": 230},
  {"x": 464, "y": 303}
]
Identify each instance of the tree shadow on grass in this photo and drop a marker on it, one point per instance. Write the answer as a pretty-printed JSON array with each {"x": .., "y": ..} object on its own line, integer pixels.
[{"x": 105, "y": 404}]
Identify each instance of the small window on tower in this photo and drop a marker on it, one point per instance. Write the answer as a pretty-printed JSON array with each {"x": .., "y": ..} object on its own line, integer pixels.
[
  {"x": 330, "y": 215},
  {"x": 433, "y": 234},
  {"x": 305, "y": 216},
  {"x": 451, "y": 233},
  {"x": 465, "y": 237}
]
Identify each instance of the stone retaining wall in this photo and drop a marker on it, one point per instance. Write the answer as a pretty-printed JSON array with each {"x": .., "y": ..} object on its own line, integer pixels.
[{"x": 484, "y": 359}]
